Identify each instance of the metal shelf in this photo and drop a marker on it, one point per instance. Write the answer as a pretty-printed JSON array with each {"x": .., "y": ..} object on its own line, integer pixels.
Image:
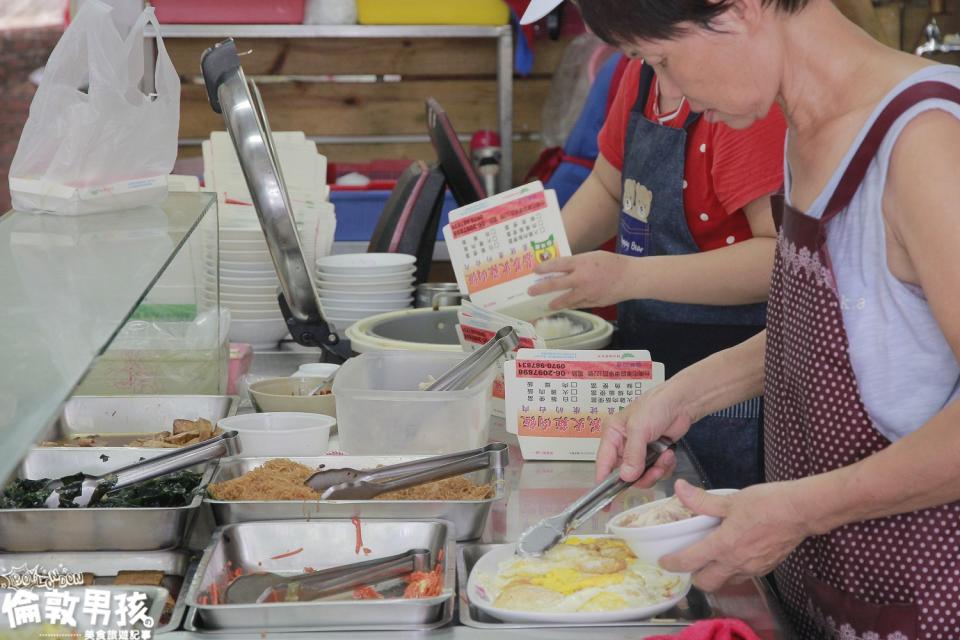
[{"x": 503, "y": 34}]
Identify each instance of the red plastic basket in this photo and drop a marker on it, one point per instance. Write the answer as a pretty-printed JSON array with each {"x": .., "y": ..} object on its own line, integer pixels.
[{"x": 232, "y": 12}]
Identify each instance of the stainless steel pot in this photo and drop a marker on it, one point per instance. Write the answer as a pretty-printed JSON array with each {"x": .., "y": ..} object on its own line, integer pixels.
[{"x": 438, "y": 294}]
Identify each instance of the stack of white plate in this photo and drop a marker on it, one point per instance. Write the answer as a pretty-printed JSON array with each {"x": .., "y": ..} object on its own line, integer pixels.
[
  {"x": 355, "y": 286},
  {"x": 248, "y": 286}
]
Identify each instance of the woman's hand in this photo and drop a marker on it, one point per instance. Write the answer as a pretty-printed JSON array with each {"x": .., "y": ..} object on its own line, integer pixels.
[
  {"x": 594, "y": 279},
  {"x": 761, "y": 526},
  {"x": 625, "y": 435}
]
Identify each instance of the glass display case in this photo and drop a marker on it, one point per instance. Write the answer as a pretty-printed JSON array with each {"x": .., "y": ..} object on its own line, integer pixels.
[{"x": 123, "y": 302}]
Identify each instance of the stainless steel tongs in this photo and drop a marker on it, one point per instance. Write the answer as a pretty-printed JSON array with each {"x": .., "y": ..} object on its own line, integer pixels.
[
  {"x": 470, "y": 368},
  {"x": 548, "y": 532},
  {"x": 353, "y": 484},
  {"x": 259, "y": 587},
  {"x": 91, "y": 489}
]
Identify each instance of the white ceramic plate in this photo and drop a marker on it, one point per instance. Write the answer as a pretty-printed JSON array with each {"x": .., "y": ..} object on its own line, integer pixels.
[
  {"x": 246, "y": 275},
  {"x": 245, "y": 280},
  {"x": 251, "y": 290},
  {"x": 243, "y": 267},
  {"x": 368, "y": 263},
  {"x": 393, "y": 276},
  {"x": 489, "y": 564}
]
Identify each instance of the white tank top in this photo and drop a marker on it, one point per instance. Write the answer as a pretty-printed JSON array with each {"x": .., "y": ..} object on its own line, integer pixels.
[{"x": 904, "y": 366}]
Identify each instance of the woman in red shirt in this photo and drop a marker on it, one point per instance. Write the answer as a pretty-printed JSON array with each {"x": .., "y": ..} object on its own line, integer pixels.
[{"x": 688, "y": 200}]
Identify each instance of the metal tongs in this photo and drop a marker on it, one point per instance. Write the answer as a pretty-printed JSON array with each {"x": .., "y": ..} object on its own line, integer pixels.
[
  {"x": 548, "y": 532},
  {"x": 91, "y": 489},
  {"x": 470, "y": 368},
  {"x": 260, "y": 587},
  {"x": 352, "y": 484}
]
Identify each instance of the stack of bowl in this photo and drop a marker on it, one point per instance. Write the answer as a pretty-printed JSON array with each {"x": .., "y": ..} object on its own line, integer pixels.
[
  {"x": 248, "y": 286},
  {"x": 355, "y": 286}
]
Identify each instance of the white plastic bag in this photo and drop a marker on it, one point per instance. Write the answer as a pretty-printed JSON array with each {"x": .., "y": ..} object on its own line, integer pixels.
[{"x": 94, "y": 141}]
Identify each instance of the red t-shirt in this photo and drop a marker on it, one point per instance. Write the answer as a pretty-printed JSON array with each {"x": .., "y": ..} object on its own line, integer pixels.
[{"x": 725, "y": 170}]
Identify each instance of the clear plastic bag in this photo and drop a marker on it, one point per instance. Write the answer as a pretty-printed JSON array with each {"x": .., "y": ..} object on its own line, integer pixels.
[{"x": 94, "y": 141}]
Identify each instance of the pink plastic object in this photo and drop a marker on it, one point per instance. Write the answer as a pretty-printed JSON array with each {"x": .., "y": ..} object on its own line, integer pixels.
[
  {"x": 232, "y": 12},
  {"x": 241, "y": 356}
]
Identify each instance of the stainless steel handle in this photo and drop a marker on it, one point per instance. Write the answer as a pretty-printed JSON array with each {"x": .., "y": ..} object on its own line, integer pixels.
[
  {"x": 339, "y": 579},
  {"x": 461, "y": 375},
  {"x": 225, "y": 444},
  {"x": 589, "y": 504},
  {"x": 498, "y": 449},
  {"x": 363, "y": 488}
]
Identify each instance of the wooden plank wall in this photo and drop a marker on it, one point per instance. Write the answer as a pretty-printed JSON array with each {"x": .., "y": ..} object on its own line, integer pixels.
[{"x": 460, "y": 73}]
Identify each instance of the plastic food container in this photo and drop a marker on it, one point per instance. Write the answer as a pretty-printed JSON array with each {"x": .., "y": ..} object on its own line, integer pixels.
[
  {"x": 381, "y": 410},
  {"x": 233, "y": 12},
  {"x": 651, "y": 543},
  {"x": 489, "y": 12},
  {"x": 277, "y": 435}
]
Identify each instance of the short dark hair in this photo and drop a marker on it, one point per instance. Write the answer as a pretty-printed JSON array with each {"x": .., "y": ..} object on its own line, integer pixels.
[{"x": 621, "y": 21}]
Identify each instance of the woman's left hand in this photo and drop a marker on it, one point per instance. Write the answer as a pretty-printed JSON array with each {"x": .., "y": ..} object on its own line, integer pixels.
[
  {"x": 593, "y": 279},
  {"x": 761, "y": 526}
]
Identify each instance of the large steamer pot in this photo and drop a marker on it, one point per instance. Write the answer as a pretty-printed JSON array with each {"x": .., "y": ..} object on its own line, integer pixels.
[{"x": 428, "y": 330}]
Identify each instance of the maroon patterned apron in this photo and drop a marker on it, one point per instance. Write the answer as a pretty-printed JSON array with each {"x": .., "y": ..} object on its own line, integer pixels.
[{"x": 895, "y": 578}]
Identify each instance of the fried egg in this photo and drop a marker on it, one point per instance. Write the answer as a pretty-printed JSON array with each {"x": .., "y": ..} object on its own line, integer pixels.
[{"x": 580, "y": 574}]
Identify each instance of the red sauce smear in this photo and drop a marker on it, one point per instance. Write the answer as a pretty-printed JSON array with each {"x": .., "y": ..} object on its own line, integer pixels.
[
  {"x": 287, "y": 554},
  {"x": 356, "y": 523},
  {"x": 366, "y": 592}
]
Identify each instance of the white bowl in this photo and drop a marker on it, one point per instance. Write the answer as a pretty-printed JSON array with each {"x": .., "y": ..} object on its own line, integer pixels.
[
  {"x": 279, "y": 434},
  {"x": 353, "y": 309},
  {"x": 229, "y": 255},
  {"x": 368, "y": 263},
  {"x": 489, "y": 563},
  {"x": 363, "y": 278},
  {"x": 251, "y": 276},
  {"x": 372, "y": 287},
  {"x": 365, "y": 296},
  {"x": 270, "y": 306},
  {"x": 241, "y": 233},
  {"x": 252, "y": 290},
  {"x": 245, "y": 280},
  {"x": 237, "y": 245},
  {"x": 651, "y": 543},
  {"x": 261, "y": 334},
  {"x": 243, "y": 267},
  {"x": 316, "y": 370},
  {"x": 266, "y": 314}
]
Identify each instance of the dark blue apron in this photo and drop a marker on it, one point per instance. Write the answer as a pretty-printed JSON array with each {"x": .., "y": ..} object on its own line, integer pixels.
[{"x": 652, "y": 222}]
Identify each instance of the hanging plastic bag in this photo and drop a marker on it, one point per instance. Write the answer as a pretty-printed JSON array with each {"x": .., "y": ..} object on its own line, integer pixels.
[{"x": 94, "y": 141}]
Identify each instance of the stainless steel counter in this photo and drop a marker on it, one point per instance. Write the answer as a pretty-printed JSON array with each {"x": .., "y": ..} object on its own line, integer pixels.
[{"x": 535, "y": 490}]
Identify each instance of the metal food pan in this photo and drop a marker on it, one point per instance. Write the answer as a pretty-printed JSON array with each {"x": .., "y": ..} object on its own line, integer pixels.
[
  {"x": 174, "y": 564},
  {"x": 93, "y": 529},
  {"x": 469, "y": 517},
  {"x": 696, "y": 606},
  {"x": 134, "y": 415},
  {"x": 319, "y": 544}
]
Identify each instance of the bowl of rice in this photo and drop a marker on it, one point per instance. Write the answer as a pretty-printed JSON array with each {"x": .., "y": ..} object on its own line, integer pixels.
[{"x": 662, "y": 527}]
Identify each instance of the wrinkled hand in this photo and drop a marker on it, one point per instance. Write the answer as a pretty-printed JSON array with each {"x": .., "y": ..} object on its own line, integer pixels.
[
  {"x": 594, "y": 279},
  {"x": 761, "y": 526},
  {"x": 625, "y": 435}
]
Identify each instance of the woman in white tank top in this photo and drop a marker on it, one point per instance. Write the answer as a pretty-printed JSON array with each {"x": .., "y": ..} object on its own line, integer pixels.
[{"x": 859, "y": 519}]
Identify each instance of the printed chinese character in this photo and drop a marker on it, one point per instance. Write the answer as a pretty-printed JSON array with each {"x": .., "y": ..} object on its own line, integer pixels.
[
  {"x": 529, "y": 422},
  {"x": 96, "y": 604},
  {"x": 132, "y": 609},
  {"x": 124, "y": 634},
  {"x": 21, "y": 607},
  {"x": 59, "y": 608},
  {"x": 89, "y": 635},
  {"x": 113, "y": 634},
  {"x": 101, "y": 634}
]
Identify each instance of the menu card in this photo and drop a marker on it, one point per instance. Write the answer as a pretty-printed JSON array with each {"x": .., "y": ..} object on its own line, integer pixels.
[
  {"x": 496, "y": 243},
  {"x": 556, "y": 400}
]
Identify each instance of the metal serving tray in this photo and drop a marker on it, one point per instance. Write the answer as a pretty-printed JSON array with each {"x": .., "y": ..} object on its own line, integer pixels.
[
  {"x": 106, "y": 529},
  {"x": 174, "y": 564},
  {"x": 469, "y": 517},
  {"x": 107, "y": 415},
  {"x": 696, "y": 606},
  {"x": 258, "y": 546}
]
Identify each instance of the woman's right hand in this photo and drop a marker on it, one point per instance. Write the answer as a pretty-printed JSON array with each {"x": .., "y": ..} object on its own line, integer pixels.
[{"x": 661, "y": 411}]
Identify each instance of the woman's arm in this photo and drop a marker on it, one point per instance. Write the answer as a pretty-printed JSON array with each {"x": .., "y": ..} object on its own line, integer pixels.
[
  {"x": 738, "y": 274},
  {"x": 718, "y": 381},
  {"x": 592, "y": 215},
  {"x": 764, "y": 523}
]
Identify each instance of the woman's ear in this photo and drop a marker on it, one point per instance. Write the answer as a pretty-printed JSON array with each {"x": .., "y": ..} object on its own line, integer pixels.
[{"x": 743, "y": 16}]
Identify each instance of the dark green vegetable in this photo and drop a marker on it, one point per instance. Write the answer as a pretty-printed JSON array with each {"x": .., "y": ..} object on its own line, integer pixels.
[{"x": 172, "y": 490}]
